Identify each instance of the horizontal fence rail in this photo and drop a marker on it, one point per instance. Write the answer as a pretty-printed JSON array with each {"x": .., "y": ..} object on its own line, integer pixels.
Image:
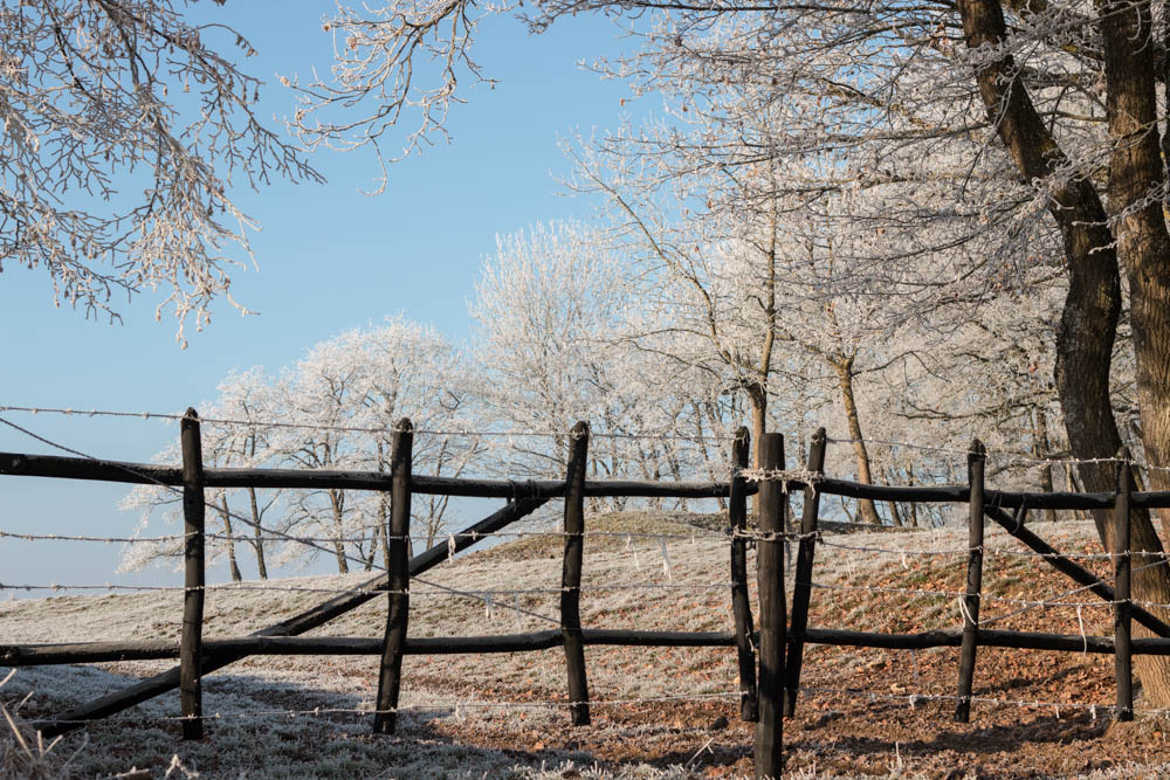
[
  {"x": 952, "y": 637},
  {"x": 20, "y": 464},
  {"x": 323, "y": 479},
  {"x": 153, "y": 650}
]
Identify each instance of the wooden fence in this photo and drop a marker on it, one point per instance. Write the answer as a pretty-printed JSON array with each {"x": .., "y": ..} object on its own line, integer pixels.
[
  {"x": 198, "y": 657},
  {"x": 769, "y": 681}
]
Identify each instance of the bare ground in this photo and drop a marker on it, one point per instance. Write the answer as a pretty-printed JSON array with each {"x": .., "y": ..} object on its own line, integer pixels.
[{"x": 657, "y": 713}]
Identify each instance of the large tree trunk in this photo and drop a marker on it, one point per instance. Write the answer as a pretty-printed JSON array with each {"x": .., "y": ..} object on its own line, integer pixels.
[
  {"x": 1136, "y": 178},
  {"x": 844, "y": 368},
  {"x": 1088, "y": 322}
]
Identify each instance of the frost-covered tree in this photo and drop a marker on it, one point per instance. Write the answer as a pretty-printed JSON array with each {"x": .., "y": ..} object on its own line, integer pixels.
[
  {"x": 410, "y": 370},
  {"x": 224, "y": 445},
  {"x": 247, "y": 397},
  {"x": 334, "y": 409},
  {"x": 1013, "y": 122},
  {"x": 124, "y": 128},
  {"x": 348, "y": 392},
  {"x": 557, "y": 310}
]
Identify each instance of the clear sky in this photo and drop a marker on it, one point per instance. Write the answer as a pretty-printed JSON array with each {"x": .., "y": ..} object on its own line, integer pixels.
[{"x": 330, "y": 258}]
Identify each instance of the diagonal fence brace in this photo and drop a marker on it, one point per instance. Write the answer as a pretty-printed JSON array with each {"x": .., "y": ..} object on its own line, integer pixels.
[{"x": 298, "y": 624}]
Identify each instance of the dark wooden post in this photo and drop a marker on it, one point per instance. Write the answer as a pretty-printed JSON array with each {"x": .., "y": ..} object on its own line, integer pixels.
[
  {"x": 975, "y": 462},
  {"x": 191, "y": 640},
  {"x": 740, "y": 604},
  {"x": 804, "y": 567},
  {"x": 571, "y": 574},
  {"x": 1122, "y": 562},
  {"x": 772, "y": 503},
  {"x": 398, "y": 579}
]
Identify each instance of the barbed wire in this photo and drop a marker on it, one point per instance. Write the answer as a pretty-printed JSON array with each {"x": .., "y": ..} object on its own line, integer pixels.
[
  {"x": 450, "y": 707},
  {"x": 1014, "y": 457},
  {"x": 266, "y": 423},
  {"x": 446, "y": 590},
  {"x": 207, "y": 505},
  {"x": 951, "y": 594},
  {"x": 987, "y": 550},
  {"x": 471, "y": 433},
  {"x": 916, "y": 699},
  {"x": 703, "y": 534}
]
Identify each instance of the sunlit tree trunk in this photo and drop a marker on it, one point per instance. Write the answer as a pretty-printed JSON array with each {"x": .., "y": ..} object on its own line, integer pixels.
[
  {"x": 257, "y": 535},
  {"x": 337, "y": 504},
  {"x": 1040, "y": 451},
  {"x": 257, "y": 531},
  {"x": 844, "y": 368},
  {"x": 226, "y": 514}
]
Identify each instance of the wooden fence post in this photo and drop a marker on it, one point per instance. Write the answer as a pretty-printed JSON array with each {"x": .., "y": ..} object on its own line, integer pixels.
[
  {"x": 191, "y": 640},
  {"x": 740, "y": 604},
  {"x": 772, "y": 504},
  {"x": 571, "y": 574},
  {"x": 804, "y": 566},
  {"x": 398, "y": 579},
  {"x": 1122, "y": 564},
  {"x": 970, "y": 602}
]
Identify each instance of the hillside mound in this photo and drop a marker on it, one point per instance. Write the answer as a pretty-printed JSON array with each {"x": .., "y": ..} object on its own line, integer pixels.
[{"x": 657, "y": 711}]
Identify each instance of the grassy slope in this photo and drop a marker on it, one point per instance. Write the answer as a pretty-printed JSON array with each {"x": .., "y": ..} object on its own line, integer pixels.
[
  {"x": 468, "y": 715},
  {"x": 440, "y": 695}
]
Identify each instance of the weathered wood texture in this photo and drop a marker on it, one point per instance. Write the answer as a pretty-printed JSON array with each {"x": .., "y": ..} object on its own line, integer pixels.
[
  {"x": 571, "y": 574},
  {"x": 802, "y": 586},
  {"x": 148, "y": 650},
  {"x": 976, "y": 460},
  {"x": 398, "y": 580},
  {"x": 319, "y": 479},
  {"x": 1122, "y": 660},
  {"x": 770, "y": 575},
  {"x": 158, "y": 649},
  {"x": 190, "y": 643},
  {"x": 740, "y": 604},
  {"x": 22, "y": 464}
]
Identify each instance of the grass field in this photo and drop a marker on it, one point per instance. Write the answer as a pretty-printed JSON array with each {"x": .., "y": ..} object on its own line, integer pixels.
[{"x": 657, "y": 712}]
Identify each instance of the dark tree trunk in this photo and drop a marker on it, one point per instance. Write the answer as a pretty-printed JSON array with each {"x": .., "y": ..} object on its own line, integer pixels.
[{"x": 1088, "y": 324}]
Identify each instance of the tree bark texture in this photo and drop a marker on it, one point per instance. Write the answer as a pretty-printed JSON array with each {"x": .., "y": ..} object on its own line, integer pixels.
[
  {"x": 257, "y": 536},
  {"x": 1084, "y": 341},
  {"x": 337, "y": 504},
  {"x": 233, "y": 565},
  {"x": 866, "y": 507}
]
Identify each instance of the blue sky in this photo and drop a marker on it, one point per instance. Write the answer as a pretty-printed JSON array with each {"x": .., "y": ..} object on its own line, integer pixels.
[{"x": 330, "y": 259}]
